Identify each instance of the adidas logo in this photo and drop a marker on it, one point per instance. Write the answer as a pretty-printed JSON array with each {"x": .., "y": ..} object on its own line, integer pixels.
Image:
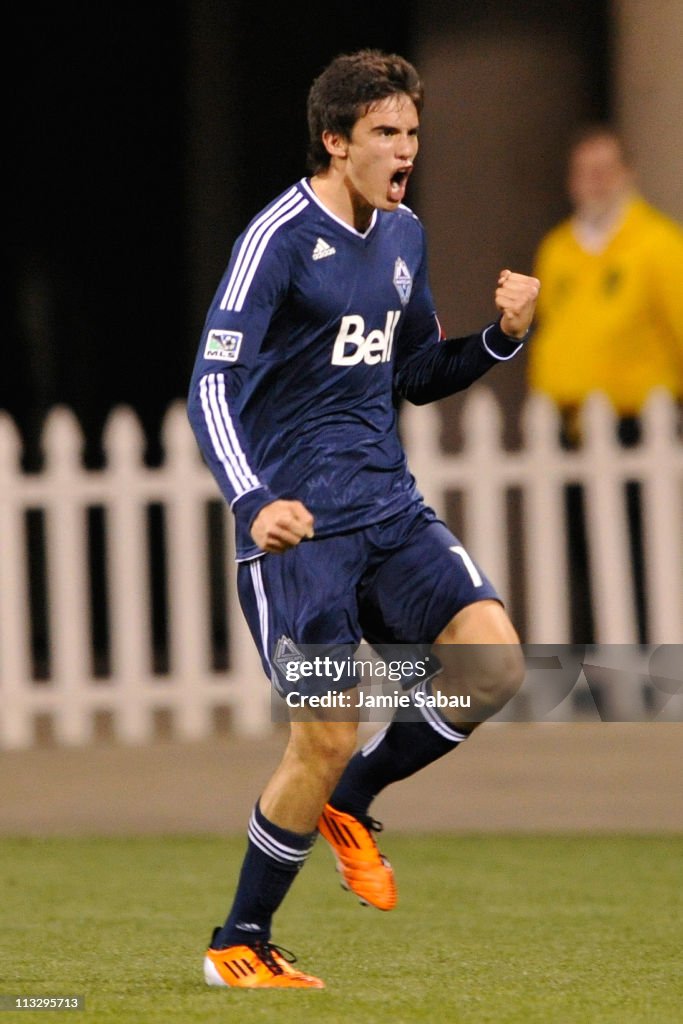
[{"x": 322, "y": 249}]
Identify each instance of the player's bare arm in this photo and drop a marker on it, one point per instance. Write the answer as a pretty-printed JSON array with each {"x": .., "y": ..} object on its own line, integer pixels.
[
  {"x": 516, "y": 297},
  {"x": 282, "y": 525}
]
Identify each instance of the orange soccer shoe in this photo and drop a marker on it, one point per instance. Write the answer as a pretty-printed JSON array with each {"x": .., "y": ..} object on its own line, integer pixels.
[
  {"x": 262, "y": 965},
  {"x": 364, "y": 870}
]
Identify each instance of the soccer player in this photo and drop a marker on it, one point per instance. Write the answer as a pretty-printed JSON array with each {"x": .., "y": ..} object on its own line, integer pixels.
[{"x": 323, "y": 314}]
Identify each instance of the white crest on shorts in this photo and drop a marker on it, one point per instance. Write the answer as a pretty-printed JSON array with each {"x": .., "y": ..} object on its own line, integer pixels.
[{"x": 286, "y": 652}]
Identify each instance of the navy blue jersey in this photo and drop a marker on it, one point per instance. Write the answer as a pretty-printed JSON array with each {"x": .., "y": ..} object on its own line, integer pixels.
[{"x": 313, "y": 330}]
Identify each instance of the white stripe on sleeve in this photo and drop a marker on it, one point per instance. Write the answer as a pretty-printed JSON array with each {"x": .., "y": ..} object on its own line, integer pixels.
[
  {"x": 254, "y": 244},
  {"x": 223, "y": 437},
  {"x": 253, "y": 266}
]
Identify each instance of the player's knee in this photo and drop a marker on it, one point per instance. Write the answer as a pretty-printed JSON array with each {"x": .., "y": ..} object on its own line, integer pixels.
[
  {"x": 499, "y": 679},
  {"x": 336, "y": 746},
  {"x": 327, "y": 747}
]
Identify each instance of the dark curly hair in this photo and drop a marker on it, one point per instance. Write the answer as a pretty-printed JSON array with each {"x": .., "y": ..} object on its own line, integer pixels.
[{"x": 346, "y": 90}]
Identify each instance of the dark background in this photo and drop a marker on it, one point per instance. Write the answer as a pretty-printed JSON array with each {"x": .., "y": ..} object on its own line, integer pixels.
[{"x": 140, "y": 140}]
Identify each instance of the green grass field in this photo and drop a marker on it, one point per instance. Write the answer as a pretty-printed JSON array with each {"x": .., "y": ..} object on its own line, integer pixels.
[{"x": 554, "y": 930}]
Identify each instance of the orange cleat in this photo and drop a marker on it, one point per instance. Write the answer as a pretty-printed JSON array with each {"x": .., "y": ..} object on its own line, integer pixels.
[
  {"x": 364, "y": 870},
  {"x": 262, "y": 965}
]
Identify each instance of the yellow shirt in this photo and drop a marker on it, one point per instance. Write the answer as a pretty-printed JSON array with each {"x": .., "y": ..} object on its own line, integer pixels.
[{"x": 611, "y": 321}]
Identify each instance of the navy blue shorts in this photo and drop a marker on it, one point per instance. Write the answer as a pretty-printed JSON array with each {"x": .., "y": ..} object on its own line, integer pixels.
[{"x": 397, "y": 582}]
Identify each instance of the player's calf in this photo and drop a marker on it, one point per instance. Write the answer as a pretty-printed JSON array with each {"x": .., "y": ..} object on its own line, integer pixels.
[{"x": 484, "y": 677}]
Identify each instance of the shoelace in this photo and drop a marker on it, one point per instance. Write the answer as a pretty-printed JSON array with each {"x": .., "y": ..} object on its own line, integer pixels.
[
  {"x": 265, "y": 952},
  {"x": 371, "y": 824}
]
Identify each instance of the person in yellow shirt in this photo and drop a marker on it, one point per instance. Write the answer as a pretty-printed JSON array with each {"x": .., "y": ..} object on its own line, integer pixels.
[
  {"x": 610, "y": 319},
  {"x": 610, "y": 312}
]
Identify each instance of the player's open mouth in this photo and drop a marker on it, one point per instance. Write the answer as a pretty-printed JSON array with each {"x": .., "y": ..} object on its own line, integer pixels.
[{"x": 397, "y": 184}]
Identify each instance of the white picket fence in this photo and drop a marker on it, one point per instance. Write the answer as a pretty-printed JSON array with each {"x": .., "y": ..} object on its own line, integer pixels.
[
  {"x": 484, "y": 472},
  {"x": 133, "y": 695}
]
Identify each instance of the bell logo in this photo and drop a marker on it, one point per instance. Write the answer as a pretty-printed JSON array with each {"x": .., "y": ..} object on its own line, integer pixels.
[{"x": 352, "y": 347}]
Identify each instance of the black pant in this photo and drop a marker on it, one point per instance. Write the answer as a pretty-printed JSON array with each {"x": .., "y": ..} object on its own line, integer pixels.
[{"x": 582, "y": 623}]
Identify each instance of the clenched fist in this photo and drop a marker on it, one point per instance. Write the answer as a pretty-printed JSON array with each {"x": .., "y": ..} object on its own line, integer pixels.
[
  {"x": 281, "y": 525},
  {"x": 516, "y": 296}
]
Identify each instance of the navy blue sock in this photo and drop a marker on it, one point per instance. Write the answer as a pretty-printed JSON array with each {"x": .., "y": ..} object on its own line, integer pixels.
[
  {"x": 273, "y": 859},
  {"x": 414, "y": 738}
]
